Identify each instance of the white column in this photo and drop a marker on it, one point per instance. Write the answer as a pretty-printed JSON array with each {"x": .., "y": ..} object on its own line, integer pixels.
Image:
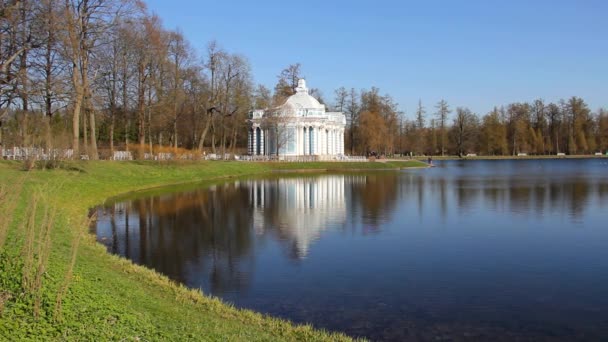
[
  {"x": 262, "y": 138},
  {"x": 321, "y": 142},
  {"x": 337, "y": 140},
  {"x": 336, "y": 147},
  {"x": 249, "y": 142},
  {"x": 316, "y": 139},
  {"x": 305, "y": 140},
  {"x": 330, "y": 146},
  {"x": 301, "y": 140},
  {"x": 298, "y": 138},
  {"x": 267, "y": 142},
  {"x": 255, "y": 140},
  {"x": 305, "y": 133}
]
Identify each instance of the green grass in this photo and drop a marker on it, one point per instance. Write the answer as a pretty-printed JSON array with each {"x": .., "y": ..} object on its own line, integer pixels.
[{"x": 104, "y": 297}]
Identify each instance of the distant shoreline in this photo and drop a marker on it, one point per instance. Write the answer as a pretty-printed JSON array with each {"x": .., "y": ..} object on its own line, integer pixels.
[{"x": 531, "y": 157}]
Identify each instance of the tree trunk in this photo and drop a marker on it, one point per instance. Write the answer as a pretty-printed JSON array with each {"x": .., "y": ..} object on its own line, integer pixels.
[
  {"x": 212, "y": 137},
  {"x": 204, "y": 133},
  {"x": 85, "y": 135},
  {"x": 76, "y": 125},
  {"x": 49, "y": 139},
  {"x": 93, "y": 152},
  {"x": 141, "y": 98},
  {"x": 127, "y": 124},
  {"x": 352, "y": 140},
  {"x": 233, "y": 143},
  {"x": 175, "y": 134},
  {"x": 151, "y": 149},
  {"x": 112, "y": 134},
  {"x": 223, "y": 139},
  {"x": 141, "y": 119}
]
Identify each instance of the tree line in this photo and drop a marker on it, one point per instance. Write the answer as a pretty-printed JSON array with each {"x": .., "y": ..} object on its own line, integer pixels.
[
  {"x": 537, "y": 128},
  {"x": 97, "y": 75},
  {"x": 100, "y": 75}
]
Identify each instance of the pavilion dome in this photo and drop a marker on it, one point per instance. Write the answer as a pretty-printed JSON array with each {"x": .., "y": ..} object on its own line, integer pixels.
[{"x": 302, "y": 99}]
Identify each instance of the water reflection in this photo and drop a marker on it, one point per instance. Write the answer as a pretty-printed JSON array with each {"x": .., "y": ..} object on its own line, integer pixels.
[
  {"x": 297, "y": 210},
  {"x": 478, "y": 249}
]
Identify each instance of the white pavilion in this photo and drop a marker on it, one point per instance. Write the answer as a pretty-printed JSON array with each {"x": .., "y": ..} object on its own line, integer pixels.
[{"x": 299, "y": 127}]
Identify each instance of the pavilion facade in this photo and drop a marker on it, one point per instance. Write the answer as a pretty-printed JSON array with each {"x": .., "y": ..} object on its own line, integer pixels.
[{"x": 299, "y": 127}]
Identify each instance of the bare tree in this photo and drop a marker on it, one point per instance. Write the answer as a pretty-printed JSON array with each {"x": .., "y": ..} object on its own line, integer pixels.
[
  {"x": 17, "y": 39},
  {"x": 465, "y": 128},
  {"x": 443, "y": 110},
  {"x": 84, "y": 24},
  {"x": 352, "y": 109},
  {"x": 287, "y": 82},
  {"x": 341, "y": 99},
  {"x": 214, "y": 59}
]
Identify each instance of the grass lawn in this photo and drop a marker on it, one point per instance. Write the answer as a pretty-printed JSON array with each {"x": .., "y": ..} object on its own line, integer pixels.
[{"x": 56, "y": 282}]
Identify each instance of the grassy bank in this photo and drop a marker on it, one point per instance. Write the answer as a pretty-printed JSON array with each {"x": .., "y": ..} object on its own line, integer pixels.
[{"x": 56, "y": 282}]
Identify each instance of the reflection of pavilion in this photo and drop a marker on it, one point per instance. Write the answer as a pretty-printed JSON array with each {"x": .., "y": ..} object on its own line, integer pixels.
[{"x": 299, "y": 208}]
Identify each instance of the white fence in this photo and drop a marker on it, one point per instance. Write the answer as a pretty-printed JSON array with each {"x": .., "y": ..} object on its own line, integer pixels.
[
  {"x": 303, "y": 159},
  {"x": 122, "y": 155},
  {"x": 22, "y": 153}
]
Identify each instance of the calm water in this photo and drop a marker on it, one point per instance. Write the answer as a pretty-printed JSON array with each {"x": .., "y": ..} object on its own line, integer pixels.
[{"x": 486, "y": 250}]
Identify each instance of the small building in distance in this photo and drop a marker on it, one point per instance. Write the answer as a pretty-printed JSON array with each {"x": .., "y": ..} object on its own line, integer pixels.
[{"x": 299, "y": 127}]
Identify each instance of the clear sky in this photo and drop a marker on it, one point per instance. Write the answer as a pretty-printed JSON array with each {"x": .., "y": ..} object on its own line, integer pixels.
[{"x": 471, "y": 52}]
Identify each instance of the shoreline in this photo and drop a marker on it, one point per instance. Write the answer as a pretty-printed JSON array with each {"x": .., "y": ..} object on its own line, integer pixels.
[
  {"x": 144, "y": 302},
  {"x": 532, "y": 157}
]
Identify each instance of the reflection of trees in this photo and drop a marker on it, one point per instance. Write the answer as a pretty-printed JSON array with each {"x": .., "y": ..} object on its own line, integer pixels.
[
  {"x": 603, "y": 194},
  {"x": 205, "y": 237},
  {"x": 520, "y": 196},
  {"x": 204, "y": 233},
  {"x": 377, "y": 198},
  {"x": 531, "y": 195},
  {"x": 466, "y": 191}
]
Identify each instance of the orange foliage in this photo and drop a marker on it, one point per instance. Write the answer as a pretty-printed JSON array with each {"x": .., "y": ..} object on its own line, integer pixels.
[{"x": 177, "y": 153}]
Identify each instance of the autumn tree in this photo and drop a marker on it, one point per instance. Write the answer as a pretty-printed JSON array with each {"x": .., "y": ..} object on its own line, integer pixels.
[
  {"x": 352, "y": 117},
  {"x": 579, "y": 126},
  {"x": 602, "y": 130},
  {"x": 464, "y": 131},
  {"x": 493, "y": 134},
  {"x": 372, "y": 129}
]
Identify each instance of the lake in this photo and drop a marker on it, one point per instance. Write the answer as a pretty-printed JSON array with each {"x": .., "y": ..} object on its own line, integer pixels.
[{"x": 467, "y": 250}]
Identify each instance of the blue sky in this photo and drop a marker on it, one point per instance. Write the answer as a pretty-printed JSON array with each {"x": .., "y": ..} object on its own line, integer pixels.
[{"x": 472, "y": 53}]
